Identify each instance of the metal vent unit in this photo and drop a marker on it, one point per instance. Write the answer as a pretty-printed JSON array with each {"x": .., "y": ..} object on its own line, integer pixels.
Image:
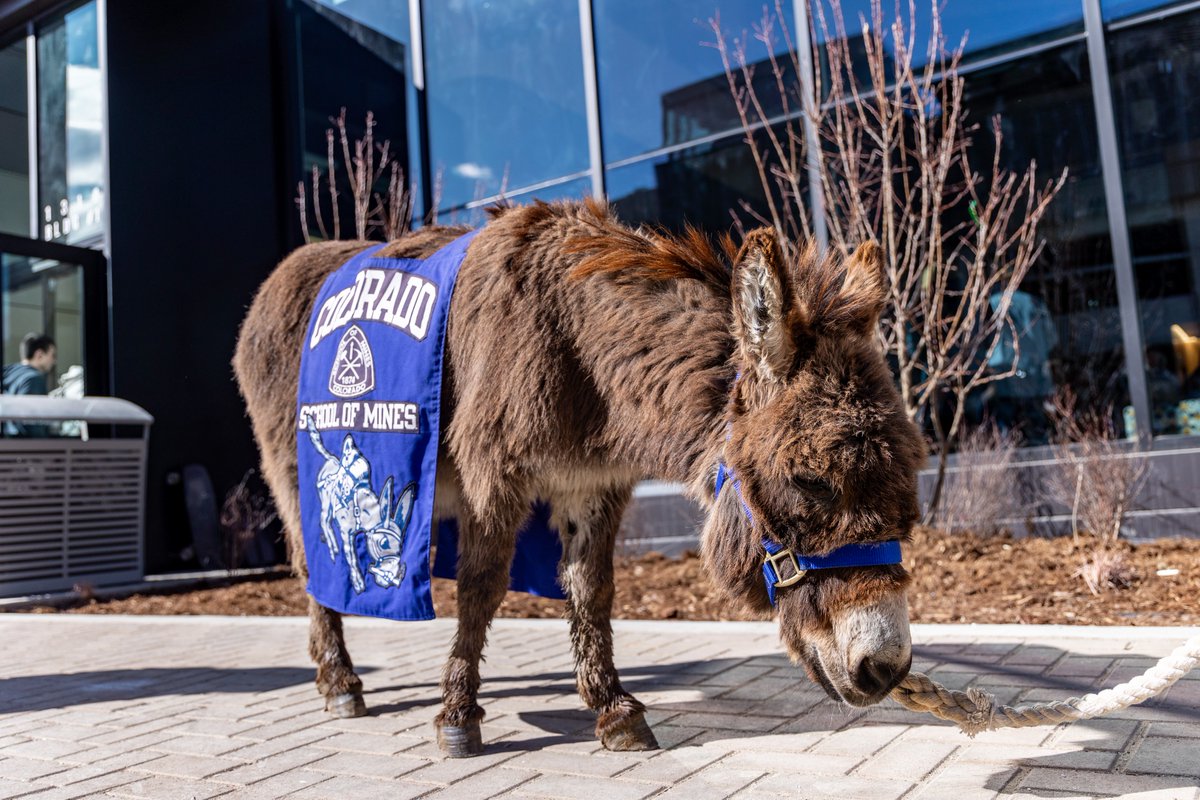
[{"x": 72, "y": 509}]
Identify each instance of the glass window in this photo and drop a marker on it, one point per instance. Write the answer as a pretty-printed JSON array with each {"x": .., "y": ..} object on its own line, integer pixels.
[
  {"x": 506, "y": 99},
  {"x": 1119, "y": 9},
  {"x": 1155, "y": 69},
  {"x": 70, "y": 160},
  {"x": 44, "y": 297},
  {"x": 14, "y": 140},
  {"x": 990, "y": 28},
  {"x": 704, "y": 186},
  {"x": 573, "y": 189},
  {"x": 660, "y": 84},
  {"x": 341, "y": 62},
  {"x": 1066, "y": 313}
]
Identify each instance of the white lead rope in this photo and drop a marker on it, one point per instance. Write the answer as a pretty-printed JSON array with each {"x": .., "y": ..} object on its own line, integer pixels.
[{"x": 975, "y": 710}]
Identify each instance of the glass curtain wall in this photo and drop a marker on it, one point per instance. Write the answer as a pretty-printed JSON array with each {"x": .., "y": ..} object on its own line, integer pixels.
[
  {"x": 1155, "y": 69},
  {"x": 70, "y": 129},
  {"x": 506, "y": 102},
  {"x": 1066, "y": 311},
  {"x": 348, "y": 55},
  {"x": 14, "y": 139},
  {"x": 673, "y": 143}
]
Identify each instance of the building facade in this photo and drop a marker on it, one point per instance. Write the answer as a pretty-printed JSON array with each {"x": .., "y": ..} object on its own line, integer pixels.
[{"x": 150, "y": 153}]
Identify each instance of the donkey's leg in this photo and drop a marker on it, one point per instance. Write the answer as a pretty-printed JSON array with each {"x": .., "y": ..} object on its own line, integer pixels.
[
  {"x": 335, "y": 672},
  {"x": 586, "y": 573},
  {"x": 336, "y": 680},
  {"x": 484, "y": 560}
]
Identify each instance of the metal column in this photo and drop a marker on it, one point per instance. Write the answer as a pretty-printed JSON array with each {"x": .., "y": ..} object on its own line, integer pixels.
[
  {"x": 1114, "y": 197},
  {"x": 591, "y": 92},
  {"x": 804, "y": 54}
]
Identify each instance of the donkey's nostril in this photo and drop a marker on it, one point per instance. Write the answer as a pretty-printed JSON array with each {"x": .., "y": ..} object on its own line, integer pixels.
[{"x": 876, "y": 677}]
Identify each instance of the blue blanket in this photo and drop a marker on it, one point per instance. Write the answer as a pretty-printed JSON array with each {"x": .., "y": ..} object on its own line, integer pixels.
[{"x": 367, "y": 441}]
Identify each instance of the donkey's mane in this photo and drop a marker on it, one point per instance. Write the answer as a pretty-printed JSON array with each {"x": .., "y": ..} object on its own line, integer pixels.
[{"x": 607, "y": 247}]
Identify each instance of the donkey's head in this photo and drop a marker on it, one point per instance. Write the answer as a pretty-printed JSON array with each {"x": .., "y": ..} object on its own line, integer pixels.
[{"x": 820, "y": 468}]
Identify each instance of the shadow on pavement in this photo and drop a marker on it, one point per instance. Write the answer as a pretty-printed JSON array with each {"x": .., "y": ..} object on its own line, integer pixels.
[{"x": 42, "y": 692}]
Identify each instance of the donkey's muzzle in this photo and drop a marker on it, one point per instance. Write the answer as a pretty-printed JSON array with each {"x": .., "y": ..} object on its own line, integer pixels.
[{"x": 875, "y": 677}]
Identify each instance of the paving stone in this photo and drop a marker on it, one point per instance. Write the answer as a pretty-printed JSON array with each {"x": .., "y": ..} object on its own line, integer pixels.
[
  {"x": 1106, "y": 783},
  {"x": 1096, "y": 734},
  {"x": 483, "y": 785},
  {"x": 1162, "y": 756},
  {"x": 282, "y": 785},
  {"x": 706, "y": 787},
  {"x": 570, "y": 787},
  {"x": 185, "y": 766},
  {"x": 195, "y": 745},
  {"x": 859, "y": 741},
  {"x": 964, "y": 780},
  {"x": 28, "y": 769},
  {"x": 792, "y": 763},
  {"x": 736, "y": 718},
  {"x": 671, "y": 766},
  {"x": 1038, "y": 756},
  {"x": 914, "y": 760},
  {"x": 367, "y": 765},
  {"x": 43, "y": 749},
  {"x": 341, "y": 787},
  {"x": 601, "y": 764},
  {"x": 10, "y": 788},
  {"x": 820, "y": 786},
  {"x": 270, "y": 765},
  {"x": 162, "y": 787}
]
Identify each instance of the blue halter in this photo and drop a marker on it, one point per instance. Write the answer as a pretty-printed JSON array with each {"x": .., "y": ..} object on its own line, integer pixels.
[{"x": 782, "y": 567}]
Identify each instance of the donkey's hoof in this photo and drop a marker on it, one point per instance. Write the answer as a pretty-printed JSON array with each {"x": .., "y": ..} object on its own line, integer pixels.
[
  {"x": 460, "y": 741},
  {"x": 346, "y": 705},
  {"x": 626, "y": 731}
]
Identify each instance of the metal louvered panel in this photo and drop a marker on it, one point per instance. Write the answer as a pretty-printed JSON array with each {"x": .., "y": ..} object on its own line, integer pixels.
[{"x": 70, "y": 511}]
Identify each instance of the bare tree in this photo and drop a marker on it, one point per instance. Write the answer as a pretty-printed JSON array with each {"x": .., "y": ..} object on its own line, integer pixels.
[
  {"x": 1099, "y": 478},
  {"x": 896, "y": 168},
  {"x": 1099, "y": 475},
  {"x": 978, "y": 491},
  {"x": 386, "y": 213}
]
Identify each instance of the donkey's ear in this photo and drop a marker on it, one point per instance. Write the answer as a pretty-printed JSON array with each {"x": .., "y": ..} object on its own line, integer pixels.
[
  {"x": 865, "y": 291},
  {"x": 762, "y": 305}
]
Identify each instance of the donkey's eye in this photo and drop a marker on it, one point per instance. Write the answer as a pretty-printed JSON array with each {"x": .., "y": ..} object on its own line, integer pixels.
[{"x": 813, "y": 485}]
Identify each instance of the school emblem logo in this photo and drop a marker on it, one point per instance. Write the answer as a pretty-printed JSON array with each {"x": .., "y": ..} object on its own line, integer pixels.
[{"x": 353, "y": 372}]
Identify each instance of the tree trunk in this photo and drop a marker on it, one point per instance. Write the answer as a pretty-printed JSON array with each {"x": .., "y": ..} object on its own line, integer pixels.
[{"x": 943, "y": 443}]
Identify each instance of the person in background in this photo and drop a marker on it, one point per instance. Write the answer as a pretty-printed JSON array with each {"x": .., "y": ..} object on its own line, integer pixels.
[
  {"x": 1018, "y": 402},
  {"x": 38, "y": 356}
]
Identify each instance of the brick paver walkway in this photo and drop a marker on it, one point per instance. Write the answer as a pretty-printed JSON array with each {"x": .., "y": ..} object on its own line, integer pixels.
[{"x": 203, "y": 707}]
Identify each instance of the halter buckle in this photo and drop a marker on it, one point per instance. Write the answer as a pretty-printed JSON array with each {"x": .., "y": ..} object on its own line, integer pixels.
[{"x": 782, "y": 557}]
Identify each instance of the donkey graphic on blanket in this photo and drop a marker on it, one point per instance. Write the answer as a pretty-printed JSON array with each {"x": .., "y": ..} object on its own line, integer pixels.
[{"x": 583, "y": 356}]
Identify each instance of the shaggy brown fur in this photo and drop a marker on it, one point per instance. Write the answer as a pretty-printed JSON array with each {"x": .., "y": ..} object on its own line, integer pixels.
[{"x": 582, "y": 356}]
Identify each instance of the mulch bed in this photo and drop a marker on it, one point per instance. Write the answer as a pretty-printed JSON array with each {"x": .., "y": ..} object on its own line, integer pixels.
[{"x": 959, "y": 578}]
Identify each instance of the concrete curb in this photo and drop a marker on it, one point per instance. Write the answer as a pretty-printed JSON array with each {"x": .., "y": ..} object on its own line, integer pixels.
[{"x": 699, "y": 627}]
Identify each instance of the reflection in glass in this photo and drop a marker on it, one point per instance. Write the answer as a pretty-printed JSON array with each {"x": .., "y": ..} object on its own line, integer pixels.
[
  {"x": 704, "y": 186},
  {"x": 1119, "y": 9},
  {"x": 506, "y": 101},
  {"x": 659, "y": 84},
  {"x": 14, "y": 140},
  {"x": 1066, "y": 319},
  {"x": 1155, "y": 70},
  {"x": 43, "y": 296},
  {"x": 341, "y": 62},
  {"x": 70, "y": 163},
  {"x": 990, "y": 28},
  {"x": 573, "y": 189}
]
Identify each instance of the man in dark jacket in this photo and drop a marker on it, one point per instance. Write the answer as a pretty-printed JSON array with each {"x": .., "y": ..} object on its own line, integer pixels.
[{"x": 38, "y": 356}]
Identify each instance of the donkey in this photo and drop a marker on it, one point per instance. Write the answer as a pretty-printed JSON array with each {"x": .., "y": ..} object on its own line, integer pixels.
[{"x": 583, "y": 356}]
